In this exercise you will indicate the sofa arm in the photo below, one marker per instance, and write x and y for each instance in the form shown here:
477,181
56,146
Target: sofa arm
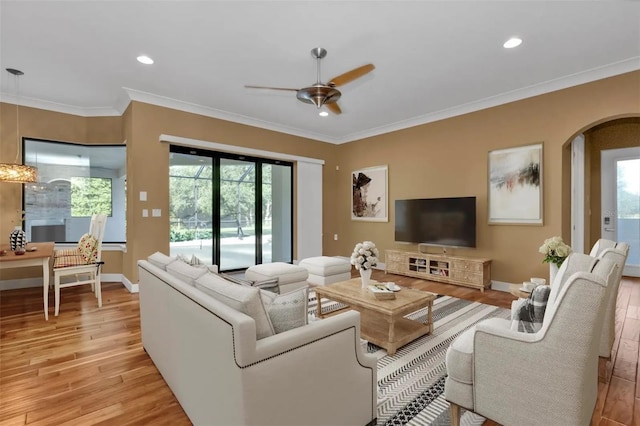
251,351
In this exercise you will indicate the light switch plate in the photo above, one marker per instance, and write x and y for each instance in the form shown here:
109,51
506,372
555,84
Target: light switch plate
145,212
156,213
143,195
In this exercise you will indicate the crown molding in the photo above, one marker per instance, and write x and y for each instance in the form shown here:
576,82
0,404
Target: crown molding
58,107
150,98
129,95
611,70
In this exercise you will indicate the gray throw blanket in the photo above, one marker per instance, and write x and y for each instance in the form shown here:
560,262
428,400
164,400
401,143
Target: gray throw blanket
531,313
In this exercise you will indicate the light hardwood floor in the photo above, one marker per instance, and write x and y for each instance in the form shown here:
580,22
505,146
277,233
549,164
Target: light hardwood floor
87,366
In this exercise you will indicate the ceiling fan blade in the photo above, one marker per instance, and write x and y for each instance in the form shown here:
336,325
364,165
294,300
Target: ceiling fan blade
271,88
334,108
352,75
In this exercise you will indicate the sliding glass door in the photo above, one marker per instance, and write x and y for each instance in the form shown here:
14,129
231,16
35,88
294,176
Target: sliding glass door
229,210
190,206
237,214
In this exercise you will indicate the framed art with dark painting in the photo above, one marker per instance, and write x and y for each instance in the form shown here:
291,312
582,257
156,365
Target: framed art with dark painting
369,194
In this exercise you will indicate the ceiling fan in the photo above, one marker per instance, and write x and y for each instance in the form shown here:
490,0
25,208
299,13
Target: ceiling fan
321,93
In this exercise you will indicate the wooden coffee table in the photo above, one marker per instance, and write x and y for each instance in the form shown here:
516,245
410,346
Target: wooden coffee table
382,321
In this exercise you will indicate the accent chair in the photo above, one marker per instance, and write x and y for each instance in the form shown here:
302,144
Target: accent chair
548,377
618,253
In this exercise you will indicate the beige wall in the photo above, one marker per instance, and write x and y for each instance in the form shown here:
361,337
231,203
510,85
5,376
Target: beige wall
622,133
449,158
445,158
148,165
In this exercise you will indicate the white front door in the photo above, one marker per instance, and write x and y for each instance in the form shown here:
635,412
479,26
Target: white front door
620,218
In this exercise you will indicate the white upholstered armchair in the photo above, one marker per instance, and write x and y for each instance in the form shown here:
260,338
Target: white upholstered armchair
618,253
548,377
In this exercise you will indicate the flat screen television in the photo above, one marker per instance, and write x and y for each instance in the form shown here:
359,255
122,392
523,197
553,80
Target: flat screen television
449,222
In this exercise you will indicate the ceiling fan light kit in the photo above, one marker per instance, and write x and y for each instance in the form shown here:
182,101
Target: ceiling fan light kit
320,93
15,172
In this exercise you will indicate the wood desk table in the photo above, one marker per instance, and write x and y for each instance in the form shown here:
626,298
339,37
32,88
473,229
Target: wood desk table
382,321
40,257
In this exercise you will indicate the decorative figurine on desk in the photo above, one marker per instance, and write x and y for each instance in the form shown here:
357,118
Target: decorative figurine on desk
18,240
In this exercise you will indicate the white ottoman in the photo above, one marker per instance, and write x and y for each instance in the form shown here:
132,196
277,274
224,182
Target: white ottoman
290,277
326,270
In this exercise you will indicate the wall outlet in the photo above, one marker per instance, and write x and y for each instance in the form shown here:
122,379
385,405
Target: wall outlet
335,237
145,212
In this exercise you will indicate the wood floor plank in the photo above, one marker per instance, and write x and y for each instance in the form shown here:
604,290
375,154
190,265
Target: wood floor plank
87,365
626,360
636,412
631,329
620,399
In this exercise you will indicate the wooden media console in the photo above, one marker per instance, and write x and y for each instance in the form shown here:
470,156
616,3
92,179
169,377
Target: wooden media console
464,271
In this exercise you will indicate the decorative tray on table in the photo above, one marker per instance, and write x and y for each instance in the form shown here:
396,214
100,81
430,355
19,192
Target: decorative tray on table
381,292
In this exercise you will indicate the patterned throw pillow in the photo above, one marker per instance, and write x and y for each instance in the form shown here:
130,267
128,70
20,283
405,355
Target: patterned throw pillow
530,314
286,311
88,248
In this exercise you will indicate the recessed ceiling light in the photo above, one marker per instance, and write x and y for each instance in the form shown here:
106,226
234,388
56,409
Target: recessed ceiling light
512,42
143,59
323,113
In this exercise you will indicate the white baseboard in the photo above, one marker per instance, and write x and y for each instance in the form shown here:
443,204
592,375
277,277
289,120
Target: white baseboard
37,282
20,283
500,285
133,288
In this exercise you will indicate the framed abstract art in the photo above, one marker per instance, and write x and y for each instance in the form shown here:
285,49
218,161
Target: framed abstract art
515,185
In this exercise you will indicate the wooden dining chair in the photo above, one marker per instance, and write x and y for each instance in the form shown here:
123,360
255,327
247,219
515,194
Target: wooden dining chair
81,265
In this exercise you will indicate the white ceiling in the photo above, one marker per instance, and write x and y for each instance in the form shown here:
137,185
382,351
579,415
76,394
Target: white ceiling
434,59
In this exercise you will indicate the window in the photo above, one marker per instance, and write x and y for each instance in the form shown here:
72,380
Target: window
90,196
74,182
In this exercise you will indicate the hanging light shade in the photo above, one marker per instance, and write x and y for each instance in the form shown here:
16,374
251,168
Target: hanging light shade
17,173
14,172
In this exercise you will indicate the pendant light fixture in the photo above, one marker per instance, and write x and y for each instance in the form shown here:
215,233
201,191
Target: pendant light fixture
15,172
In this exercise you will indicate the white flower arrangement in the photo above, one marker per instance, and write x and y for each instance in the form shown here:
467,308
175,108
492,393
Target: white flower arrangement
555,250
365,255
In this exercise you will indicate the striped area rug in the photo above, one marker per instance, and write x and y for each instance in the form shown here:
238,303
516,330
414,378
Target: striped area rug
411,382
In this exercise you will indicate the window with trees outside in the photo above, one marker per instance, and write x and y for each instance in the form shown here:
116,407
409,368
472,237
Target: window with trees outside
230,210
74,182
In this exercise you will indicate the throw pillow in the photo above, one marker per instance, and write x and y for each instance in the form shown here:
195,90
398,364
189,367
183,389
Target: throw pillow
530,314
185,272
88,248
243,299
195,261
270,284
287,311
160,260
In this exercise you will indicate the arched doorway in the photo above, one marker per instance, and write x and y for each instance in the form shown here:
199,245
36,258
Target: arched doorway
620,200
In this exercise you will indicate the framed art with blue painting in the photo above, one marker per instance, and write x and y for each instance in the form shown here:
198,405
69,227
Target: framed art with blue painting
515,185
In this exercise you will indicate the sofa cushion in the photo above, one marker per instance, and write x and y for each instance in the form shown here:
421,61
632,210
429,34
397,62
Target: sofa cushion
185,272
241,298
160,260
287,311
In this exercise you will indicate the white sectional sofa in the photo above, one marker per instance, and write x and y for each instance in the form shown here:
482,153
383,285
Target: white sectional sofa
222,374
